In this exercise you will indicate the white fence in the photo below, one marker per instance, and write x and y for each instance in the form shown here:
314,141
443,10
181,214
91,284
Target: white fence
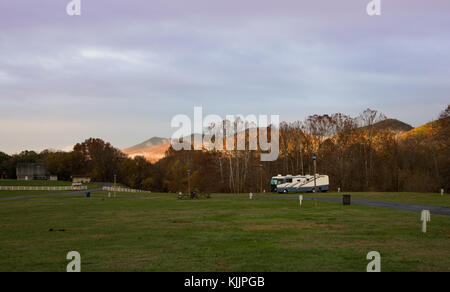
123,190
42,188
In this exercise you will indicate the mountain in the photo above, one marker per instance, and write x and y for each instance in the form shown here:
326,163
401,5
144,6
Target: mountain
431,133
153,149
422,131
155,141
393,125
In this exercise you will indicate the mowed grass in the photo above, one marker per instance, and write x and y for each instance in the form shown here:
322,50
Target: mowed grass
431,199
157,232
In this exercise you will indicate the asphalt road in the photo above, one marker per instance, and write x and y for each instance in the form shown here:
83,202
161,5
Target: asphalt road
392,205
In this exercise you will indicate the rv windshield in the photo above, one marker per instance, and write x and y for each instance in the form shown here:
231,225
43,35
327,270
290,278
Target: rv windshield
275,181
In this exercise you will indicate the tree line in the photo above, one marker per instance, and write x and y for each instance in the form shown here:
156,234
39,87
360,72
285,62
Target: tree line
364,153
94,158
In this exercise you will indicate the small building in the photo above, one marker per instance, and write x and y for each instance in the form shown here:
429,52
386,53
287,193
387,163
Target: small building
31,171
53,177
81,179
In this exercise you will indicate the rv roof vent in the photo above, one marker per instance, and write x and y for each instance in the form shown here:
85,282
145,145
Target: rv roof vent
279,175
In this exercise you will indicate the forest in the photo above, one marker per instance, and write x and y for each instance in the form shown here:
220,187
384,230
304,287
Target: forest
365,153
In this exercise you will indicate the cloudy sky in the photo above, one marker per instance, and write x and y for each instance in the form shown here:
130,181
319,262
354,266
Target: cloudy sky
123,69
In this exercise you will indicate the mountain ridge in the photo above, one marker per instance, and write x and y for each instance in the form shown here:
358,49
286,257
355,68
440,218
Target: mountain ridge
154,148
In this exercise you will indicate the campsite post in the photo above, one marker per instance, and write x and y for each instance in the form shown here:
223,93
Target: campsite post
425,217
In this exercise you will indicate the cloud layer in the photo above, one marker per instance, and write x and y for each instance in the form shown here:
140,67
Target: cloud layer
123,69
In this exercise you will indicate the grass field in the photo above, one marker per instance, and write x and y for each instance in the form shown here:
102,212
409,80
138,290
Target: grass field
432,199
157,232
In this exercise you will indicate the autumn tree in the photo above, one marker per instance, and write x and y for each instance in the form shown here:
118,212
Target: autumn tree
101,159
65,164
368,119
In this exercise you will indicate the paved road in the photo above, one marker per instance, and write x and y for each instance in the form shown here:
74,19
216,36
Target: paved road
393,205
51,195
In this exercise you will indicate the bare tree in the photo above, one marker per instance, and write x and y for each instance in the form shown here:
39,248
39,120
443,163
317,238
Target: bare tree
367,119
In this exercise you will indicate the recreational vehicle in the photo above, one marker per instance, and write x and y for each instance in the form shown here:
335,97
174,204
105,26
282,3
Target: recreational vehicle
278,180
299,183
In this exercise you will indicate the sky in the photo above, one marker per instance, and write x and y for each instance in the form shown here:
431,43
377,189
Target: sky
122,69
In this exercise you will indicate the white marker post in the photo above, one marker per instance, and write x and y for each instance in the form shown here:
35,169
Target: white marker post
442,192
339,190
250,196
425,217
300,199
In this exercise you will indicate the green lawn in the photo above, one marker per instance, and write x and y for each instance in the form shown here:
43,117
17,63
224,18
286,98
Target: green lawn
157,232
432,199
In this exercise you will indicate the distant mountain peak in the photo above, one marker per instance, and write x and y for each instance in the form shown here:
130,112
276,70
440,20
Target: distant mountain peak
152,149
394,125
154,141
155,148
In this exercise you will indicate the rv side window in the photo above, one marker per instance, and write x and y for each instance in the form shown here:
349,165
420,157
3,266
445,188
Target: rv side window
289,180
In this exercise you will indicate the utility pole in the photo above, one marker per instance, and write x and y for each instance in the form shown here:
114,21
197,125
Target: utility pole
315,185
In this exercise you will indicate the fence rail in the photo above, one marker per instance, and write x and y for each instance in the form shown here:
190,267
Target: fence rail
123,190
42,188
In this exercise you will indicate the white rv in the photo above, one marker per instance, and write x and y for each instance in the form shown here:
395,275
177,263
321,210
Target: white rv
299,183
